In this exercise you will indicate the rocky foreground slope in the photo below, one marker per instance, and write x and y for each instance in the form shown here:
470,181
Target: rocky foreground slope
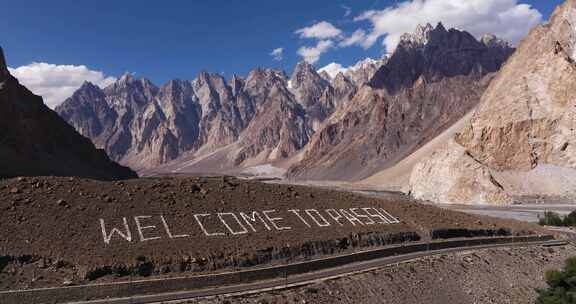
57,230
521,139
503,276
34,140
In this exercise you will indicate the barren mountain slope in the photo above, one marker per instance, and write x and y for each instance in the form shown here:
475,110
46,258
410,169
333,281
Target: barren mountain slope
34,140
285,114
208,124
89,230
523,133
431,81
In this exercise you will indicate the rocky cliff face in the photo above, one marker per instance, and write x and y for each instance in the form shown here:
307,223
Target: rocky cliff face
143,126
264,118
363,71
433,79
34,140
523,131
331,128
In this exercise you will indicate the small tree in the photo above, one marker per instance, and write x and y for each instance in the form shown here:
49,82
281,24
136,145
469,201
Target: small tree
562,285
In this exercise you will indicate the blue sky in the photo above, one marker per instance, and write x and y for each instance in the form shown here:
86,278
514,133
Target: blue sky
162,40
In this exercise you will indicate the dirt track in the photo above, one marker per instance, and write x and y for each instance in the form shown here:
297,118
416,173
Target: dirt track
52,227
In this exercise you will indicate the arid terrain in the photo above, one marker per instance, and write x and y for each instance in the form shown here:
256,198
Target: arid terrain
445,149
502,276
70,229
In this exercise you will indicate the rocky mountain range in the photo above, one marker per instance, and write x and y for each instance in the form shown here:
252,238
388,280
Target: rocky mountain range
266,116
306,126
35,141
433,79
521,139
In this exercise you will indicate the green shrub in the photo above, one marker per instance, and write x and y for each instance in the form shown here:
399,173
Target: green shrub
570,219
552,219
562,285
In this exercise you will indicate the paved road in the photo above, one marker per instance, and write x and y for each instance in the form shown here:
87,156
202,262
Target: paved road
299,280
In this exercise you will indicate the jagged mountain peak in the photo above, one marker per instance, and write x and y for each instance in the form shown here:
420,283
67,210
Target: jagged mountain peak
87,93
440,27
427,35
175,86
305,75
325,75
3,67
434,54
236,78
420,36
340,78
127,80
236,83
210,79
491,40
266,74
88,86
303,66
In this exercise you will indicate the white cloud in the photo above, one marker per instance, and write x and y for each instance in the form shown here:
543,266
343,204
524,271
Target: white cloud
356,38
55,83
506,19
277,54
347,10
312,54
333,69
320,30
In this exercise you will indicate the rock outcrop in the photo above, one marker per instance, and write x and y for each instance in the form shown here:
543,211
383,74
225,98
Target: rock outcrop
452,176
433,79
524,128
35,141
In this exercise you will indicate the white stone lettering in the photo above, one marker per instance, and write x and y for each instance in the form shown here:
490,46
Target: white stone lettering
350,217
388,216
318,219
376,215
335,216
252,218
221,217
141,228
197,217
362,216
274,220
243,223
127,235
169,232
297,212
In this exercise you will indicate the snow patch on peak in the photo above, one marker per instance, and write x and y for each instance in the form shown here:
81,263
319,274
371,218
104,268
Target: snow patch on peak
333,69
490,40
363,64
